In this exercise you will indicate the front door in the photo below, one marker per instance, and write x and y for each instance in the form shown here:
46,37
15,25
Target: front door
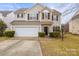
46,30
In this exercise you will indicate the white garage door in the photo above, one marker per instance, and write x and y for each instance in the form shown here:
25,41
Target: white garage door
30,32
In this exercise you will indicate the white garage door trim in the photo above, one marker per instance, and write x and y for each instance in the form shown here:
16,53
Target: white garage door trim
26,31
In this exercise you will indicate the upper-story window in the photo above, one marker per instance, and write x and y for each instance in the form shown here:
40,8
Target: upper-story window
52,17
42,15
45,15
33,16
20,15
17,15
55,17
37,16
48,15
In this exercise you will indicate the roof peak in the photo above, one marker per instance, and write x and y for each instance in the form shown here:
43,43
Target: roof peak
35,5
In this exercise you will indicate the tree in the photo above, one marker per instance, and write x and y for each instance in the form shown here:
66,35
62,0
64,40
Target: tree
3,26
62,32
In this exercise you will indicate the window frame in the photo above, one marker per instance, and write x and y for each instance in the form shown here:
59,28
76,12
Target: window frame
56,28
17,15
21,15
33,16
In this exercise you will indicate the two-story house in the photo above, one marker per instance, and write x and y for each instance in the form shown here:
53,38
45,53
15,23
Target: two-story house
30,21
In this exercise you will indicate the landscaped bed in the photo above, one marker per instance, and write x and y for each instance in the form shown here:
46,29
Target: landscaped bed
55,46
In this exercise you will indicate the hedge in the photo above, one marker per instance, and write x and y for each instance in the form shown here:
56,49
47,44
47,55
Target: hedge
1,33
41,34
9,33
54,34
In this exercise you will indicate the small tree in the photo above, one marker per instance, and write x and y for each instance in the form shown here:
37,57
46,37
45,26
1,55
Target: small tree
3,26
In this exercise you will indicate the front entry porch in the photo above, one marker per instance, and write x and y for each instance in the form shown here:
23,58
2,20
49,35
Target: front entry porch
46,27
46,30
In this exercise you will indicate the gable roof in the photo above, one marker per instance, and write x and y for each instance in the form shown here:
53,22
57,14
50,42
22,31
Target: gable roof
21,10
55,11
46,8
37,4
5,13
24,10
76,15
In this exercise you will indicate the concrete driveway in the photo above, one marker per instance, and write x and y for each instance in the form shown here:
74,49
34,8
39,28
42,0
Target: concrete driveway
20,48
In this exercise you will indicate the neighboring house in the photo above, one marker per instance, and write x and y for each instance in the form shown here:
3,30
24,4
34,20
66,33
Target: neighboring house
1,16
74,24
30,21
9,18
4,17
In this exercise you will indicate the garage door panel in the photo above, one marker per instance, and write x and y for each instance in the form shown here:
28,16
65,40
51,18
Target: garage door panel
27,31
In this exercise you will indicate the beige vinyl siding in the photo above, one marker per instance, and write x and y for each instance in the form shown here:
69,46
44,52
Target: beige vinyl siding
74,26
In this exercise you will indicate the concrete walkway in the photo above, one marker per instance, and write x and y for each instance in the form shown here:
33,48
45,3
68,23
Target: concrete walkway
20,48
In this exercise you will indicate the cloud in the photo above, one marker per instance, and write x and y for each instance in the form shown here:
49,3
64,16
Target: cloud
4,6
10,6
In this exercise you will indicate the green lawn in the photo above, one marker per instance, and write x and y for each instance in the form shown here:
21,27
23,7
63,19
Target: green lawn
68,47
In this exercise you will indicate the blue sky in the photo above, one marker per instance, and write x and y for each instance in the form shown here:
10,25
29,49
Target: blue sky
13,6
67,9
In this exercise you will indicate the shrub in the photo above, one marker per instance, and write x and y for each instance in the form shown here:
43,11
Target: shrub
1,33
56,28
41,34
9,33
3,26
54,34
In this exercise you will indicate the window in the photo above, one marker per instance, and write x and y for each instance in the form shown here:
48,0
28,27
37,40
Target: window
57,17
52,17
28,16
56,28
42,15
48,15
33,16
37,16
45,15
19,15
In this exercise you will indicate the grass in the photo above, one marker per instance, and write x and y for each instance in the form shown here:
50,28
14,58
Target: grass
3,38
57,47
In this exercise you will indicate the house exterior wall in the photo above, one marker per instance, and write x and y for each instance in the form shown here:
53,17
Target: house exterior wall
74,26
